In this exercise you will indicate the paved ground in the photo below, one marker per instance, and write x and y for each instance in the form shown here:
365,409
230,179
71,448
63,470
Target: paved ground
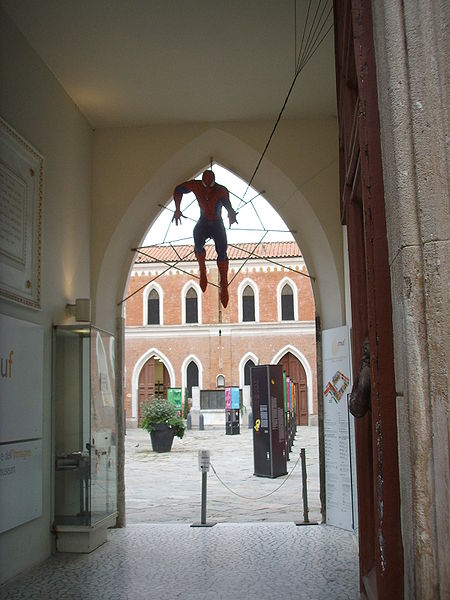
254,552
265,561
166,488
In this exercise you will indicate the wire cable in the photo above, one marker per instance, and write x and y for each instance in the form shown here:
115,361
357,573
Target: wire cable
252,497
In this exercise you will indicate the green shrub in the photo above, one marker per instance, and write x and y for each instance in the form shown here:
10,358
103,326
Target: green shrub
158,410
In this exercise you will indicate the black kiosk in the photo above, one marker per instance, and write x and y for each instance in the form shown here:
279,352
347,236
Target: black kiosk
269,431
232,411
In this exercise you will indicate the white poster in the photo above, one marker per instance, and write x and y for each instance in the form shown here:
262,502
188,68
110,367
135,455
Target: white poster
20,483
21,376
338,428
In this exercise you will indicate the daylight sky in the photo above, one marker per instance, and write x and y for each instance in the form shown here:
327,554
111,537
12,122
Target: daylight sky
257,215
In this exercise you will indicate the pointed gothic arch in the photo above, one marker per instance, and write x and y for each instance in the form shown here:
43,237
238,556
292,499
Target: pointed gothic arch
136,372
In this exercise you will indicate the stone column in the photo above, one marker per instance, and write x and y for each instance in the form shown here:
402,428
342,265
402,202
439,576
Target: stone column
412,55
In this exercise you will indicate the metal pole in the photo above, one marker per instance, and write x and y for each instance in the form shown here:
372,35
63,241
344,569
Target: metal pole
304,487
203,516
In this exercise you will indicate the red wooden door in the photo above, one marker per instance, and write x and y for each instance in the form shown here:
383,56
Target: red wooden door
362,210
294,369
146,385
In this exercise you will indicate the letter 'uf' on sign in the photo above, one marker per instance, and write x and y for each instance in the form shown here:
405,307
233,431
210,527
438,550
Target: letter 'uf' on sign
203,460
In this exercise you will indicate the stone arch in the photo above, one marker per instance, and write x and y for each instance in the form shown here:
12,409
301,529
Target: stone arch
136,371
115,264
304,361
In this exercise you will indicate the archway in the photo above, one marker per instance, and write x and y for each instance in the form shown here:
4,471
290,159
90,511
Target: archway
228,150
287,199
295,371
135,378
153,381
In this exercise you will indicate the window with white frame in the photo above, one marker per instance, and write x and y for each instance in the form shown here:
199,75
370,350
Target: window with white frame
192,377
153,305
191,306
287,300
153,308
248,365
248,304
287,303
248,301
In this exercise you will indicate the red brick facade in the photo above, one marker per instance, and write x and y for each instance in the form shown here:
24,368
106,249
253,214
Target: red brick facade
219,343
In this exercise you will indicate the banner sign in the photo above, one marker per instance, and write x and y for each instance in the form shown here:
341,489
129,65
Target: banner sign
174,396
338,428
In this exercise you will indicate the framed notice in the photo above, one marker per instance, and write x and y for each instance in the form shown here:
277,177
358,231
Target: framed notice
21,193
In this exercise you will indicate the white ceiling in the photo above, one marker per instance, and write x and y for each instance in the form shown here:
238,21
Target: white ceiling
135,62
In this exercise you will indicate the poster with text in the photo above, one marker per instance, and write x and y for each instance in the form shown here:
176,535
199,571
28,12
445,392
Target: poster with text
20,483
21,354
338,430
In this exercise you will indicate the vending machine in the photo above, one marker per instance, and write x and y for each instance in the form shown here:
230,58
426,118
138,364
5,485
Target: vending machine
269,431
232,411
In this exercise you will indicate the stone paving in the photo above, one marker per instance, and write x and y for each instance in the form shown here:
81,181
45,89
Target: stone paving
166,487
255,551
265,561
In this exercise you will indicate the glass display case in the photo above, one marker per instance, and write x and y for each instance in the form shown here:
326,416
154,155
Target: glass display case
85,432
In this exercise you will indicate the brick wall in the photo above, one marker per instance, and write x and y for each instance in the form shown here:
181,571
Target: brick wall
219,354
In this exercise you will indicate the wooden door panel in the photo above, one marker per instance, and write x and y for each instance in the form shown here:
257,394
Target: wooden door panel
362,211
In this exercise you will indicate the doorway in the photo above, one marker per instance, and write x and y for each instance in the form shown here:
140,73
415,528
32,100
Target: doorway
296,372
154,381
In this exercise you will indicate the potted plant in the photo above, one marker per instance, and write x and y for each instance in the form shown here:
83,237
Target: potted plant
160,419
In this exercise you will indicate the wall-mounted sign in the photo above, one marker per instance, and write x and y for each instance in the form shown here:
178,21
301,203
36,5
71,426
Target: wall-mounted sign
338,429
21,372
21,193
20,483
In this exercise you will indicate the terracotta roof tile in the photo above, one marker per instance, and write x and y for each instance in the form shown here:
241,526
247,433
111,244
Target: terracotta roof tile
152,254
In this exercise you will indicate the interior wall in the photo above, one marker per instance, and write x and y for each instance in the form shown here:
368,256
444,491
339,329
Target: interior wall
136,169
35,105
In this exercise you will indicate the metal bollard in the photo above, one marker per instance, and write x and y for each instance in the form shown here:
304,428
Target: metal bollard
189,421
250,419
201,422
306,520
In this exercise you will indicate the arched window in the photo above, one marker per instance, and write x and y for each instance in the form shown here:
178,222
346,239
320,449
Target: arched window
287,303
191,301
153,308
191,377
248,365
220,381
248,304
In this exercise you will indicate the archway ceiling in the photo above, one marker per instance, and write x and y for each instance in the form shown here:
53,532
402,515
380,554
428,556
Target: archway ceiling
164,61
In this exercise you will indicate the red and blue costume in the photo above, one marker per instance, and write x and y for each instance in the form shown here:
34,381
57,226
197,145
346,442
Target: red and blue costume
211,197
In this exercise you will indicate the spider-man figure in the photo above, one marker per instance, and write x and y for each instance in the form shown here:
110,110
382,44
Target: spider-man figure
211,197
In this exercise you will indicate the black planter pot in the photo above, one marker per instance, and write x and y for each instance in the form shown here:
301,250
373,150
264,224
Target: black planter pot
162,437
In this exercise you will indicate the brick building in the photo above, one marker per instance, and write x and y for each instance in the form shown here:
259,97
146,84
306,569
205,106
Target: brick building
177,336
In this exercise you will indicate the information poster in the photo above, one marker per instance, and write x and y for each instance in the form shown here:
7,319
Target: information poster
174,397
338,428
235,398
20,483
21,355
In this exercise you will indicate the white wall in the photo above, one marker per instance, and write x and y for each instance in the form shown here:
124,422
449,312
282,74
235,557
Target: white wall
36,106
